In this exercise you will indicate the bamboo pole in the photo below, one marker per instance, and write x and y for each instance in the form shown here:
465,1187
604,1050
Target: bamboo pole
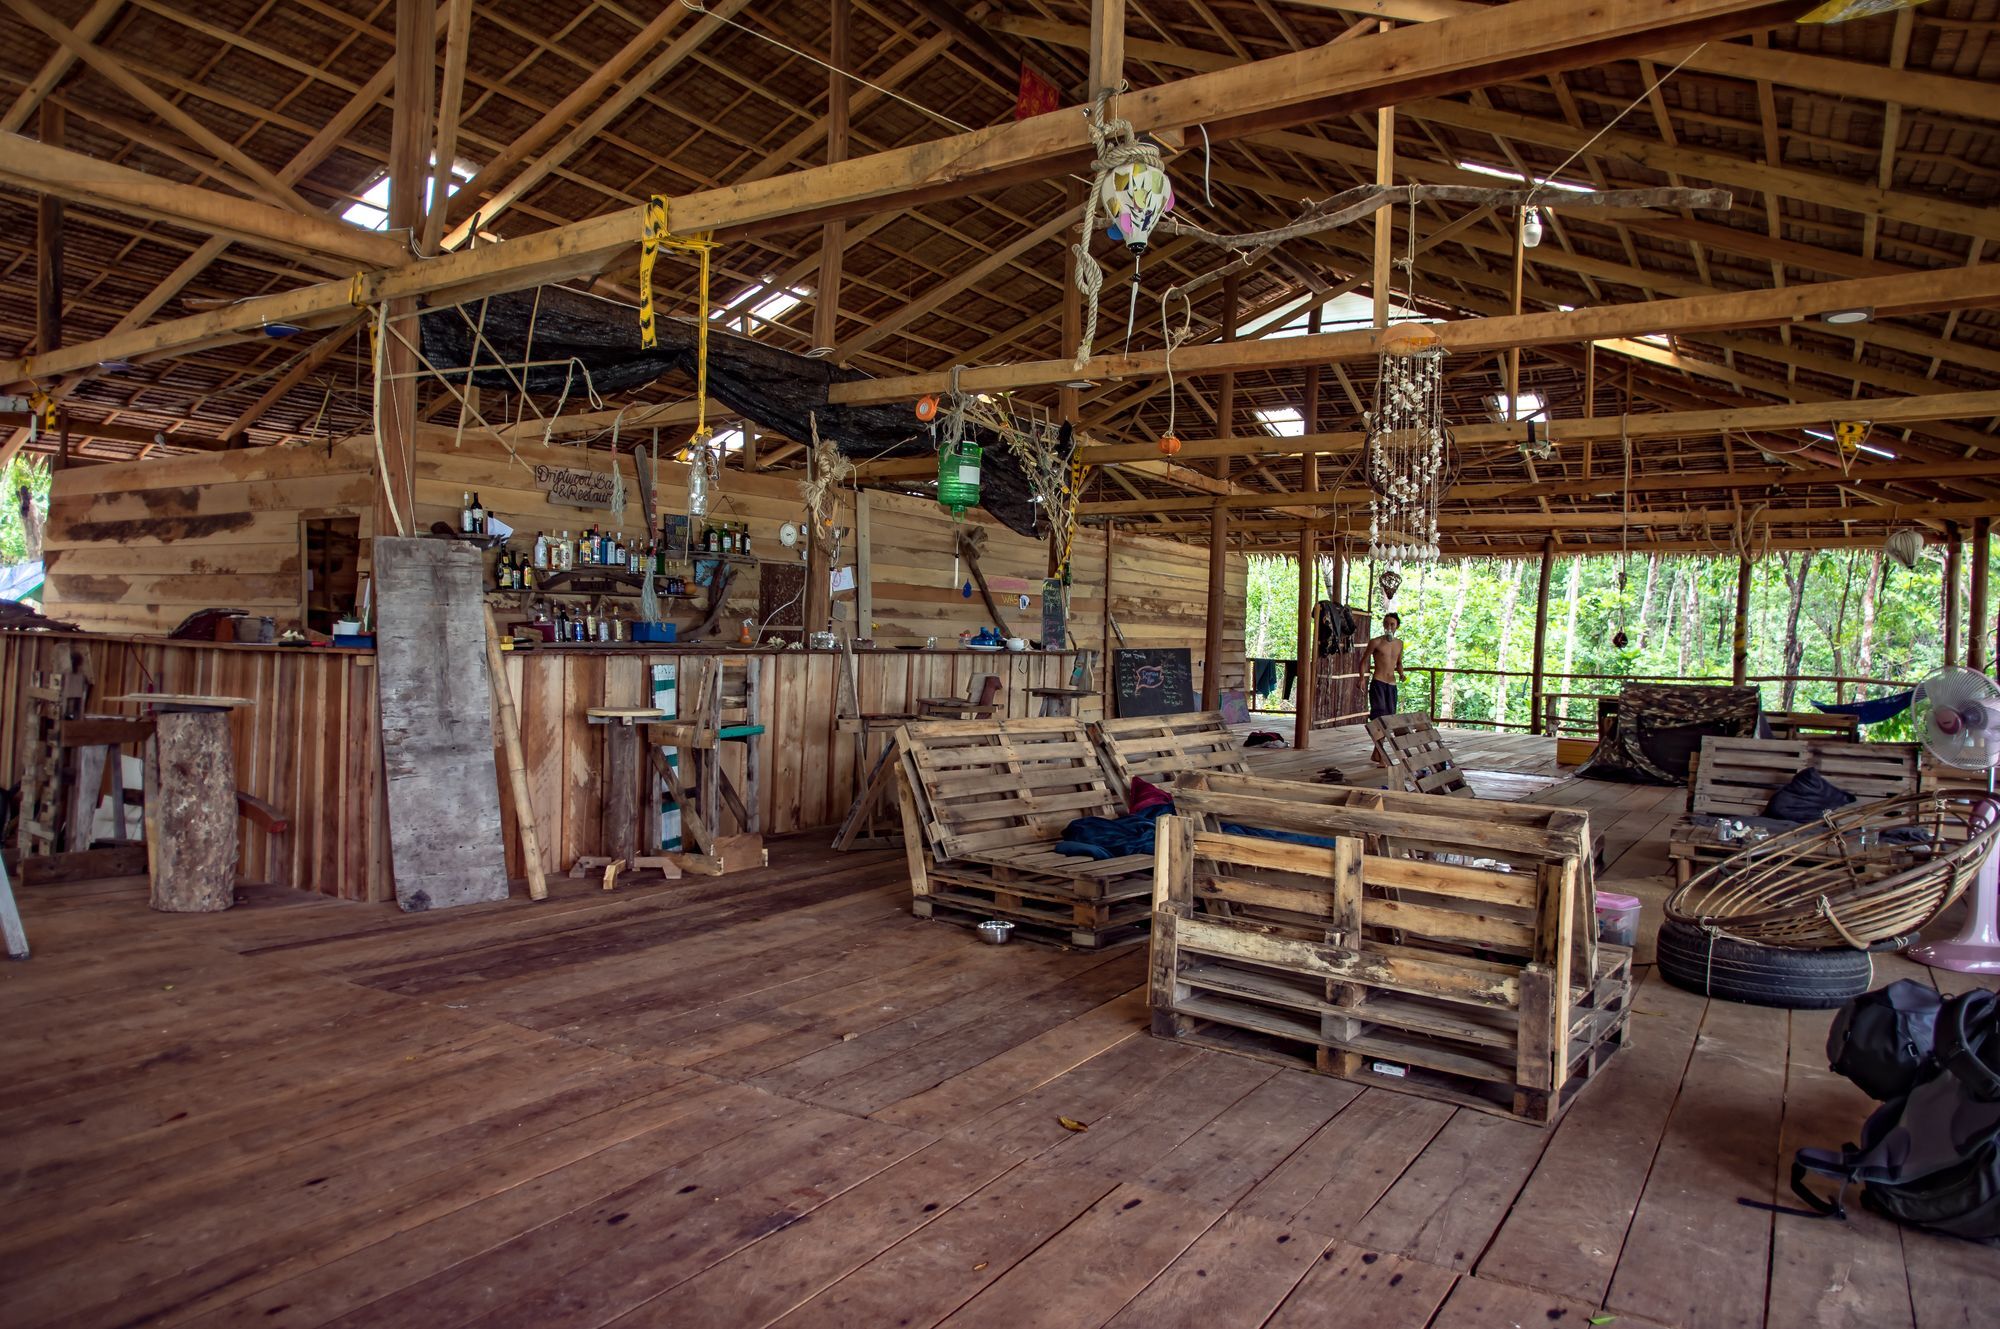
1739,649
517,766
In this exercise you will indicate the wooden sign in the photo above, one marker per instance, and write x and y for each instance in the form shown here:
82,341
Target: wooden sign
575,489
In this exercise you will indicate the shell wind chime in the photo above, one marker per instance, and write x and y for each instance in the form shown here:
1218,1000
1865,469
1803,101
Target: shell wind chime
1407,446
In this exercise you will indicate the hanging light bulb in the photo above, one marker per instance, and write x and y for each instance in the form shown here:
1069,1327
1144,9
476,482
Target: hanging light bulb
1531,227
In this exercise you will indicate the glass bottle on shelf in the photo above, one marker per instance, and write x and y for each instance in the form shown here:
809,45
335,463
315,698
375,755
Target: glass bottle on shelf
465,513
541,550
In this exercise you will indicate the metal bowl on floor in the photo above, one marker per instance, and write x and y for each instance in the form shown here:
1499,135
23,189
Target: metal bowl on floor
995,932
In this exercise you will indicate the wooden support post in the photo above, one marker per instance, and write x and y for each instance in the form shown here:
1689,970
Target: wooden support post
1538,682
1303,690
1381,277
1954,560
1225,392
1218,586
191,813
410,142
1739,649
1105,673
818,607
1979,643
49,246
1107,45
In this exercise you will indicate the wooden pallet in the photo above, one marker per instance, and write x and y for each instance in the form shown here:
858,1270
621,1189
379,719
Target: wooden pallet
1735,778
1393,954
983,804
1160,749
1417,754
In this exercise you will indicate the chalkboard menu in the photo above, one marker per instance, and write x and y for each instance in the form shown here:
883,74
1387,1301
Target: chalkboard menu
1155,682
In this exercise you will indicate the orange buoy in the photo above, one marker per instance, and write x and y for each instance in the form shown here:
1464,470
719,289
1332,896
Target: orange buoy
1170,444
927,408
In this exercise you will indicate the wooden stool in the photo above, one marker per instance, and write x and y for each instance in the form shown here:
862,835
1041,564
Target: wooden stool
873,821
619,790
726,702
190,802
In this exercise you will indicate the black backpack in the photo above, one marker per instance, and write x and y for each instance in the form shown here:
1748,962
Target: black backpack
1882,1040
1929,1157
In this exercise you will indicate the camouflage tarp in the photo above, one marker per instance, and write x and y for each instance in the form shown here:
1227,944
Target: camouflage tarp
1659,727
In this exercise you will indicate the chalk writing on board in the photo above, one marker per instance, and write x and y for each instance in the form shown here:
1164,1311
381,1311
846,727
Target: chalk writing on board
1154,682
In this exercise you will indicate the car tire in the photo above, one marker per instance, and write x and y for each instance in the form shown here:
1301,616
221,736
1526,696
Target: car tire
1720,966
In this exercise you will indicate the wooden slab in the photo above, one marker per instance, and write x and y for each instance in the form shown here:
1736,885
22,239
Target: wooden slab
437,726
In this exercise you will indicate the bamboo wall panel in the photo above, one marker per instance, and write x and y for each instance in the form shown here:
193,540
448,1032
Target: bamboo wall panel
309,743
138,546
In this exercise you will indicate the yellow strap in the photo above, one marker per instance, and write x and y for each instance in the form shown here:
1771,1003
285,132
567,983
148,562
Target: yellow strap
658,233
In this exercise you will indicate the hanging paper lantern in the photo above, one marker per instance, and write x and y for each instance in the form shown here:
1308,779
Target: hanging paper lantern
1170,444
1136,197
1905,547
958,476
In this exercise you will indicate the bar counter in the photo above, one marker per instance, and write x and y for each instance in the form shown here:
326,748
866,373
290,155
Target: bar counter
310,742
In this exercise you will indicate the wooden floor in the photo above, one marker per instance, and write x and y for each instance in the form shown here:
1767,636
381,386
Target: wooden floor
778,1099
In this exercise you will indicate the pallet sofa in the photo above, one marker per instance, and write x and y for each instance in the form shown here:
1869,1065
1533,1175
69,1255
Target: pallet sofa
1420,950
983,804
1734,779
1162,749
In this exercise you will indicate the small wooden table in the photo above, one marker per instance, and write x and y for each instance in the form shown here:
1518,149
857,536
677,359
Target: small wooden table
620,785
1060,701
190,801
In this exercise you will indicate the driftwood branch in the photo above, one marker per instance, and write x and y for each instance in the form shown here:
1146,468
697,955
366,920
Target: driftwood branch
970,542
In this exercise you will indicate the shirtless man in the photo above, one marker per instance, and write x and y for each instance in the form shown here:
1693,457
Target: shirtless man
1385,667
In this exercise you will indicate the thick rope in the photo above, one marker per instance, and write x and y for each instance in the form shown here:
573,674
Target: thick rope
1117,146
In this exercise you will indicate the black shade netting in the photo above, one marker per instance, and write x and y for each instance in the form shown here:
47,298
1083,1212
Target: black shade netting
566,337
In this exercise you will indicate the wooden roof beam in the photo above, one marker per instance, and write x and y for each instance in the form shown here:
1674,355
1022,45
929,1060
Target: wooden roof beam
1531,36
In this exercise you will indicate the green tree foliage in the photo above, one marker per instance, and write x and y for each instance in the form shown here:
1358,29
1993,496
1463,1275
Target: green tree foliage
1686,631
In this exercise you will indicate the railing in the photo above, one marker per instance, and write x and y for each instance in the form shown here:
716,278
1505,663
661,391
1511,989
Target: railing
1423,687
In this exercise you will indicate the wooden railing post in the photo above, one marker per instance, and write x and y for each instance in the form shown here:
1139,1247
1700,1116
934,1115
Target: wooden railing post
1303,697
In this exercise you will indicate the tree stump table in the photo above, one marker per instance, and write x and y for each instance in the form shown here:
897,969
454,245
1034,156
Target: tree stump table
190,802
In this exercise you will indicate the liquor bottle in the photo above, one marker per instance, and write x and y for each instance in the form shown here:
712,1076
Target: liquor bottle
590,623
618,555
478,515
465,515
659,558
500,572
744,537
541,550
565,552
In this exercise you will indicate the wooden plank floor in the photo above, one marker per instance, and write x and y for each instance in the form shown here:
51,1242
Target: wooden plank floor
777,1099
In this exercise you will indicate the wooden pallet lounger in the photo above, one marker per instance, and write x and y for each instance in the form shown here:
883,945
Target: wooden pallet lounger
1417,755
1424,951
983,803
1735,778
1161,749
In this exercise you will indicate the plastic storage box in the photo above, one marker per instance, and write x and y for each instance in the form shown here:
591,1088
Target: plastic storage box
1617,919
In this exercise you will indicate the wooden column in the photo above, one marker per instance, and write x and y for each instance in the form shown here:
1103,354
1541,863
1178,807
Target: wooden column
1107,45
1303,697
191,813
818,608
1385,216
1978,644
1218,522
1954,559
1739,647
410,143
49,246
1538,680
1218,568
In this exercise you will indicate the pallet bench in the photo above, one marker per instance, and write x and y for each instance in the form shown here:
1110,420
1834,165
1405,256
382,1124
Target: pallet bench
1417,756
1161,749
1734,778
983,804
1441,955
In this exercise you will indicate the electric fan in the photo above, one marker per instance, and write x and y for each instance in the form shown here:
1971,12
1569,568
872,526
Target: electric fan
1957,717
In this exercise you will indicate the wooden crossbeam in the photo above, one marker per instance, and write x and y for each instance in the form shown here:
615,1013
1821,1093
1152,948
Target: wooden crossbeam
1531,36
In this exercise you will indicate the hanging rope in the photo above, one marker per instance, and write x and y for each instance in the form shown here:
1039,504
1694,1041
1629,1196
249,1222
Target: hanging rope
658,234
1118,146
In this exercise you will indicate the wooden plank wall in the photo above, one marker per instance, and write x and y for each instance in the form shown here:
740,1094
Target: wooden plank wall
810,766
309,743
138,546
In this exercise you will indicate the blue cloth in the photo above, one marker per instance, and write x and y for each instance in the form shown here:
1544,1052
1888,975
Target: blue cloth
1872,711
1263,677
1133,833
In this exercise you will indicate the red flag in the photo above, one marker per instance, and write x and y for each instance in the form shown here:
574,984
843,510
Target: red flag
1037,96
